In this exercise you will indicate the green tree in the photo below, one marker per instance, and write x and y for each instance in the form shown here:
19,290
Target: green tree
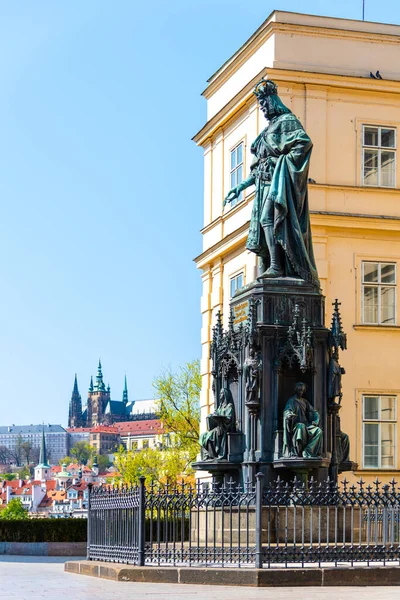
66,460
8,476
14,511
82,452
16,452
26,449
24,472
103,462
178,404
170,465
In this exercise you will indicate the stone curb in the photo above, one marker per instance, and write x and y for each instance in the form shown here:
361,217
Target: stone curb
43,548
274,577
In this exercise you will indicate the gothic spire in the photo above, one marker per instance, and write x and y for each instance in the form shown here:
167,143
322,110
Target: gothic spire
75,391
91,384
75,407
43,455
99,387
338,336
125,393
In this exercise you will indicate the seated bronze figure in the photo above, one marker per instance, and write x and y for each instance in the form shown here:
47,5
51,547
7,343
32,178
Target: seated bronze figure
214,441
302,437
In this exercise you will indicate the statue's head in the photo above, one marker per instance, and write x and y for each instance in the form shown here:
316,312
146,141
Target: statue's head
300,388
271,105
225,396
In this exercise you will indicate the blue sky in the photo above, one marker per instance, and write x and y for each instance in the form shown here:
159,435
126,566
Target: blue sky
101,186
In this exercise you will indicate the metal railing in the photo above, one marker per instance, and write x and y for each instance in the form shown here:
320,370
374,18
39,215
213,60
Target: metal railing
283,524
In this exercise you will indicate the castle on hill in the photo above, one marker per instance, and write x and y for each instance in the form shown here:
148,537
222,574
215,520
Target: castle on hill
100,409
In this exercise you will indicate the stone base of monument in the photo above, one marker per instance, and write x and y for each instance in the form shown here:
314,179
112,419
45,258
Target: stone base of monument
280,525
303,468
222,470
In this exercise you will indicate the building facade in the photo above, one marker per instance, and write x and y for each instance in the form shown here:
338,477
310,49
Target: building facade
341,78
12,436
140,434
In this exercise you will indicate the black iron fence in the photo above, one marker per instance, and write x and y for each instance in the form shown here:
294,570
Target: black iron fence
279,525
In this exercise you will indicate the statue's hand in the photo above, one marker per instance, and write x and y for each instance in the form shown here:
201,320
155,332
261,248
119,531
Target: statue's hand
233,194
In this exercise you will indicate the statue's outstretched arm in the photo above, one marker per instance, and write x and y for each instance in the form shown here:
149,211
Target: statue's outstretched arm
234,193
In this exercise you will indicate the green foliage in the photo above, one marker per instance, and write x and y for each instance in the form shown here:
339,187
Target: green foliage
43,530
103,462
24,473
14,511
82,452
170,465
66,460
8,476
178,402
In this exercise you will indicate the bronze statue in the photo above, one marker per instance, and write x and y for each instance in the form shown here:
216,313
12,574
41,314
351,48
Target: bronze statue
252,369
279,230
335,378
343,443
302,436
219,424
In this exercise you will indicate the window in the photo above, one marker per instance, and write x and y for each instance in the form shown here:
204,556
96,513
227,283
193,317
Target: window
236,283
379,156
237,170
378,293
145,444
379,431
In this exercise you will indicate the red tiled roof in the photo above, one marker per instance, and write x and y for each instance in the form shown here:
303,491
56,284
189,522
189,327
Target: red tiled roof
24,490
15,483
82,485
96,429
152,426
56,469
78,429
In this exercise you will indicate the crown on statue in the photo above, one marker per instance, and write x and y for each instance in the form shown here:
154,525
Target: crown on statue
265,88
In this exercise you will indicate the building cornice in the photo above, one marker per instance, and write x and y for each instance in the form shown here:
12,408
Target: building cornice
294,77
321,218
278,22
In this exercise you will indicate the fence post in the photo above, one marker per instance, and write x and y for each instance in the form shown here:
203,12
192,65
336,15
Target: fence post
259,490
90,485
142,517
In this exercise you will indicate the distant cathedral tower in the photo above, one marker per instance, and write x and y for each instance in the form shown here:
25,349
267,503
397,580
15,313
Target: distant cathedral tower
75,407
98,397
125,393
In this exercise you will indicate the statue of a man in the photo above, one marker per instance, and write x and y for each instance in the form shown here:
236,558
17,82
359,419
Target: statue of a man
335,378
252,369
280,223
301,434
219,424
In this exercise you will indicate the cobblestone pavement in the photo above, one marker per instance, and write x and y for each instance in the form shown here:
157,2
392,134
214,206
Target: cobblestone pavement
42,578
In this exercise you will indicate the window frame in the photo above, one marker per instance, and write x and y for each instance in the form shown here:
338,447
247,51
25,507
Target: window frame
234,170
378,285
234,278
379,421
379,148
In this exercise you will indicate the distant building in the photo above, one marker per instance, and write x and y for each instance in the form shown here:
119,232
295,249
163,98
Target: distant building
56,437
105,438
136,435
100,409
43,469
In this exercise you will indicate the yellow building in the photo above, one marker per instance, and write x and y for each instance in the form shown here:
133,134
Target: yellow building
322,67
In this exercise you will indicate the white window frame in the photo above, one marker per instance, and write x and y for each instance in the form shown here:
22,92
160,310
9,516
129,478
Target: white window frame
379,147
235,278
234,170
378,285
379,421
